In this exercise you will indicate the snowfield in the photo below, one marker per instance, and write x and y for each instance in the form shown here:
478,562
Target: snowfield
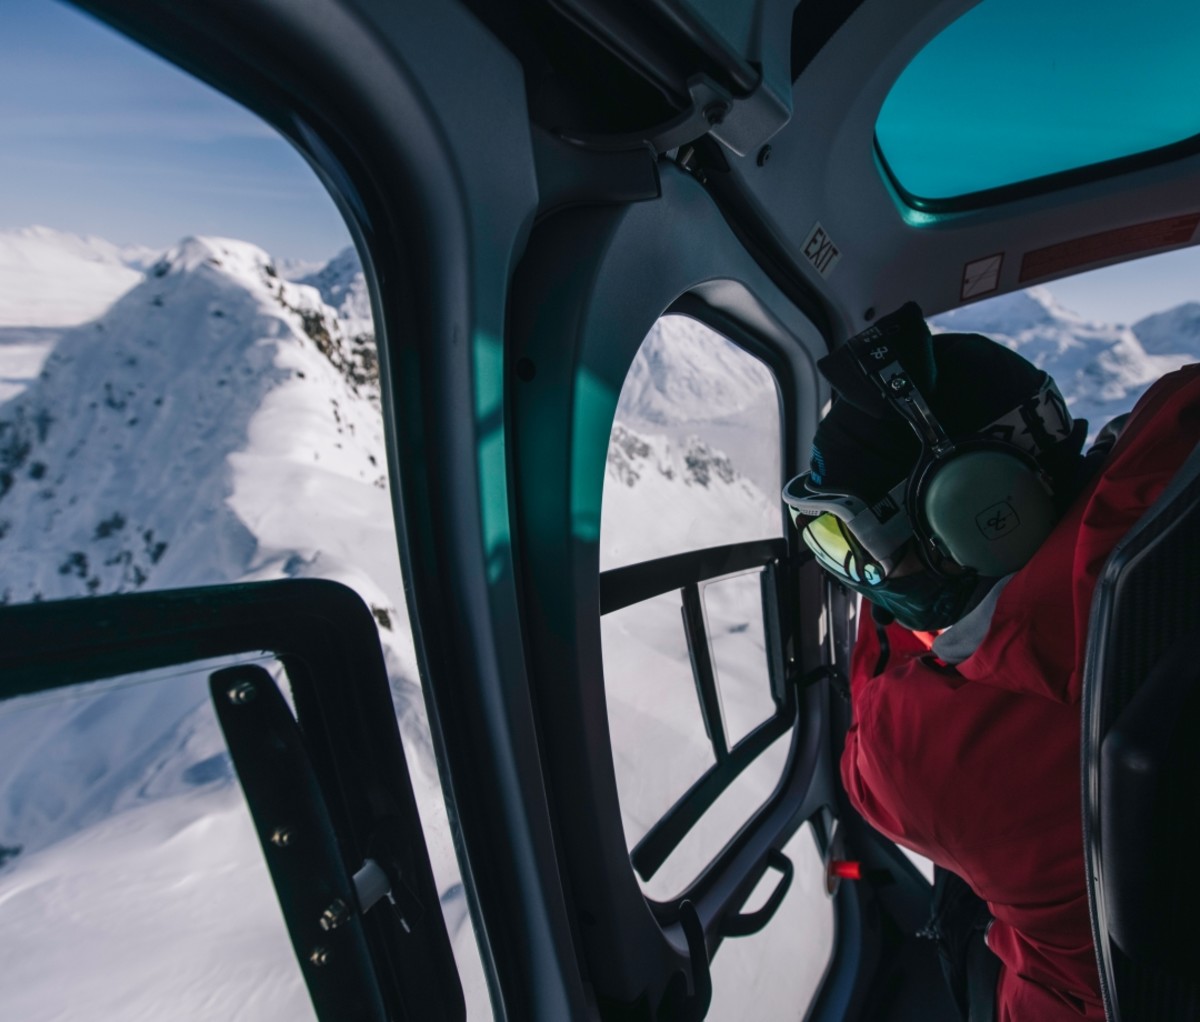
198,417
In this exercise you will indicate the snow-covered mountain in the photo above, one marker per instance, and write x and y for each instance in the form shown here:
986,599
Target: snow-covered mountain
1171,331
213,423
686,376
228,430
343,287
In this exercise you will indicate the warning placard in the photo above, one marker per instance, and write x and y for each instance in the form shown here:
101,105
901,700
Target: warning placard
982,276
1095,248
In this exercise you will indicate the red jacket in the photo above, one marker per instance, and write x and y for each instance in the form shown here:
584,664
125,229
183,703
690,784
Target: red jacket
977,766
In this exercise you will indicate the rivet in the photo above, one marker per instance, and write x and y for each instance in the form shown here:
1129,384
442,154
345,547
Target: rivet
764,154
243,692
715,112
319,956
335,915
281,837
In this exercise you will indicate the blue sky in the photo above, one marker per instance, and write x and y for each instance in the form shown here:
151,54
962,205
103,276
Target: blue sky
101,137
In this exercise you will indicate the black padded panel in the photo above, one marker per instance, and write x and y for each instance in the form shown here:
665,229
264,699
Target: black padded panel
1140,776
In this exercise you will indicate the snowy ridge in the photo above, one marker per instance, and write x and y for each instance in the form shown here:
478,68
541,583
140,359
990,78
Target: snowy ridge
216,388
343,287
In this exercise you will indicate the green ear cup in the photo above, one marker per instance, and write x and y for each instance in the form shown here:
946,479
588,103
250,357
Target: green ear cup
989,509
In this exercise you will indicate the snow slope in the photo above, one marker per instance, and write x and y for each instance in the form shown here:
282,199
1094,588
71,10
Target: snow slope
36,263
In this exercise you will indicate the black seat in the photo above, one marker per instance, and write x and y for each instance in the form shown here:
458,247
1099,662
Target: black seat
1141,762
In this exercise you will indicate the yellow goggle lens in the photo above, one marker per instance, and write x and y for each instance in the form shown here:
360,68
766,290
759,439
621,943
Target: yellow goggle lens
826,537
837,551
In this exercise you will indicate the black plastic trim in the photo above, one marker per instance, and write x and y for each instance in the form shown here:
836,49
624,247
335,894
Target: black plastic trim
650,35
987,198
625,586
664,837
746,923
814,23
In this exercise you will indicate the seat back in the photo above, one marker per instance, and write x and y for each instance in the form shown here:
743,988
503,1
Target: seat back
1141,762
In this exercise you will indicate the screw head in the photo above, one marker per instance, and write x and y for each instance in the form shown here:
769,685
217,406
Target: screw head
319,956
243,692
764,154
282,836
715,112
335,915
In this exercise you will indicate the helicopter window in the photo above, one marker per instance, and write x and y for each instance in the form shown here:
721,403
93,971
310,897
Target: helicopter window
189,395
640,642
702,727
1015,90
696,436
737,636
699,729
130,870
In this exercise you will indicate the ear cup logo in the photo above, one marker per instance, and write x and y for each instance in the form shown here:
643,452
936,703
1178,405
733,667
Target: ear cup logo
997,520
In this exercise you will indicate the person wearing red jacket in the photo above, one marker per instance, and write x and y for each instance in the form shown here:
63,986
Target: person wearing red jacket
948,487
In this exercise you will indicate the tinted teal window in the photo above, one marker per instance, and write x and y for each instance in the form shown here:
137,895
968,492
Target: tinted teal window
1017,89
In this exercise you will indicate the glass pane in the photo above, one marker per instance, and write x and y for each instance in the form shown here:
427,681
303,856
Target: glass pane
733,611
133,884
1015,89
659,744
778,969
715,828
694,457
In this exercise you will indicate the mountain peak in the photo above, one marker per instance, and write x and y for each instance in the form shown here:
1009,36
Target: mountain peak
1176,329
235,258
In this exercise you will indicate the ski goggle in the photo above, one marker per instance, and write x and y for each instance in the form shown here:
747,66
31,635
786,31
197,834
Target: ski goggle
862,544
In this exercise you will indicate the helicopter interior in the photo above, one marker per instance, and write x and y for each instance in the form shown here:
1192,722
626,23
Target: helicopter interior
532,185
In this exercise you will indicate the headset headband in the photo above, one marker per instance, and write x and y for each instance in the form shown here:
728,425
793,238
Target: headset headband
873,351
1034,426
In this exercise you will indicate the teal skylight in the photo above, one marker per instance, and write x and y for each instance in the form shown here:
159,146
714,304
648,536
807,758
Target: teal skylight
1018,89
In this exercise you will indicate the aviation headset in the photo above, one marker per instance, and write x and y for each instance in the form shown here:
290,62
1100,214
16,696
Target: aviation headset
982,502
